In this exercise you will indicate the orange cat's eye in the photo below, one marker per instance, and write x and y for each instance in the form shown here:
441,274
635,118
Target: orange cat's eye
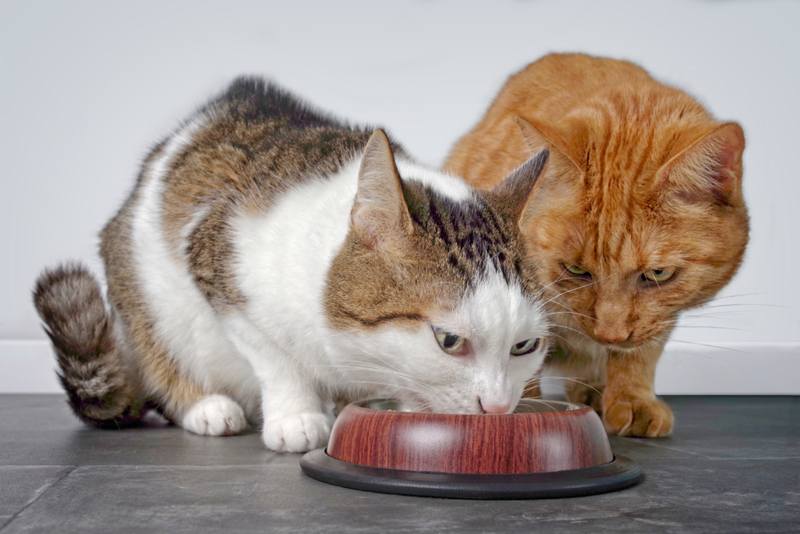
659,276
577,271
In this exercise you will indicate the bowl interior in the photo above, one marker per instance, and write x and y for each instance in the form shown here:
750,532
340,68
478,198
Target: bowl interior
525,406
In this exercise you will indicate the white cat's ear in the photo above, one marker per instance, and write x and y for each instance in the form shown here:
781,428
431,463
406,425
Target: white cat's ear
709,170
514,193
380,215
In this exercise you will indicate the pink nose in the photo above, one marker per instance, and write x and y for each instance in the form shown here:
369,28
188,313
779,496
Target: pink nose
611,336
493,407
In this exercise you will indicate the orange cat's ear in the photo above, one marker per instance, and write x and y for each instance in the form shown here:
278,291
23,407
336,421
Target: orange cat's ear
709,170
514,193
380,215
560,183
539,138
535,140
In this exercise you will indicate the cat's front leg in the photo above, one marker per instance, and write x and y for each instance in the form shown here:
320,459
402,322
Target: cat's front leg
293,414
630,406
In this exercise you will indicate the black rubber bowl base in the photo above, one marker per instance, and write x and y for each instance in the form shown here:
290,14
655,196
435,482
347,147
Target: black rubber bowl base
615,475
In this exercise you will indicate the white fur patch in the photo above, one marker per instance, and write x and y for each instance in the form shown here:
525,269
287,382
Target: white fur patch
283,257
445,184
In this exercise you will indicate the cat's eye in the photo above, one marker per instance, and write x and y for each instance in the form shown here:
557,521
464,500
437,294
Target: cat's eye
658,276
525,347
450,343
577,271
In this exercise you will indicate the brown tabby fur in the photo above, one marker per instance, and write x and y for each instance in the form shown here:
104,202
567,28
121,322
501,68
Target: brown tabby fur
641,177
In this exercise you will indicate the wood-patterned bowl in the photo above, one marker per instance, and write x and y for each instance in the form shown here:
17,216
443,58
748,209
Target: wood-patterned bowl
541,436
544,449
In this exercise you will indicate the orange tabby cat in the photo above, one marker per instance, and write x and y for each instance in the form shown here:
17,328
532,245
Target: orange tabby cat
640,215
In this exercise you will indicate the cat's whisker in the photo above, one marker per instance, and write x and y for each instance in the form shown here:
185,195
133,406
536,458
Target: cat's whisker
362,366
716,327
573,314
571,379
542,401
716,314
551,284
727,297
365,366
711,345
583,286
389,386
571,329
745,306
558,336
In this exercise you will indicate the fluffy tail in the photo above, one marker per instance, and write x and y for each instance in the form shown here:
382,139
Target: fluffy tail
69,301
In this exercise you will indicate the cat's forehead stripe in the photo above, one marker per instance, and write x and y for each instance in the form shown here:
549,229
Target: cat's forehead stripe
472,234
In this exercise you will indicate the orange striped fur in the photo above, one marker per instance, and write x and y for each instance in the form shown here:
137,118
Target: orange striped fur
642,180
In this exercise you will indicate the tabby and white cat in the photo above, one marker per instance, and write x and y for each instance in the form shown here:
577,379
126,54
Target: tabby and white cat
272,260
639,216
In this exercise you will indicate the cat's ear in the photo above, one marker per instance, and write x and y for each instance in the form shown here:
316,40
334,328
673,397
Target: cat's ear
709,170
380,215
538,138
514,193
560,181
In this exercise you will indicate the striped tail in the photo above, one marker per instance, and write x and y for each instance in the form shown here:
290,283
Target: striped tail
69,301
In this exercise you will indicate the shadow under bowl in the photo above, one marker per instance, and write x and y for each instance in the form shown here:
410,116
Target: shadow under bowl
544,449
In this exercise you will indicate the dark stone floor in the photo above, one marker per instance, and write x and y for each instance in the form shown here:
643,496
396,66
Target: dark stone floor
732,465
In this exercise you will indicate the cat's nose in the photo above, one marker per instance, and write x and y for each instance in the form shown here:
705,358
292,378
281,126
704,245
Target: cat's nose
613,338
493,407
611,332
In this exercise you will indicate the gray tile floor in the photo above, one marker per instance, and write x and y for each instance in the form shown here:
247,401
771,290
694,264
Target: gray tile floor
732,465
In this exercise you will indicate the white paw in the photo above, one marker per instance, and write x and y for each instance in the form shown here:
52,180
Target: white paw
297,432
216,415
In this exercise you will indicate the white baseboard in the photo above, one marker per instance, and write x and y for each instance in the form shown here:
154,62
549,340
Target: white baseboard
765,368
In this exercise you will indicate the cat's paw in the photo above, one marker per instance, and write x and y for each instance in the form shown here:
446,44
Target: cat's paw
215,415
297,432
645,418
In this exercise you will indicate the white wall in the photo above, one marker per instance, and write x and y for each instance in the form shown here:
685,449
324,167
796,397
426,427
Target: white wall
87,87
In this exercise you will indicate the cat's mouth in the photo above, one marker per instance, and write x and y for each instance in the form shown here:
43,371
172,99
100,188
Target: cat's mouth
628,344
631,343
620,347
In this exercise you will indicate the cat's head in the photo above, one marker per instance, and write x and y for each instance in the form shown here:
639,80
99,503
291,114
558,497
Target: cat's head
432,298
639,216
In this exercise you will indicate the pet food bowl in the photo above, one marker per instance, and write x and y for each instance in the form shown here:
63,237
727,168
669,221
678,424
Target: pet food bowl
544,449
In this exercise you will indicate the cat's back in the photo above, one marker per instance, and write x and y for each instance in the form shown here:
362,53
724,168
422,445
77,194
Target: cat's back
253,142
241,152
558,83
569,98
